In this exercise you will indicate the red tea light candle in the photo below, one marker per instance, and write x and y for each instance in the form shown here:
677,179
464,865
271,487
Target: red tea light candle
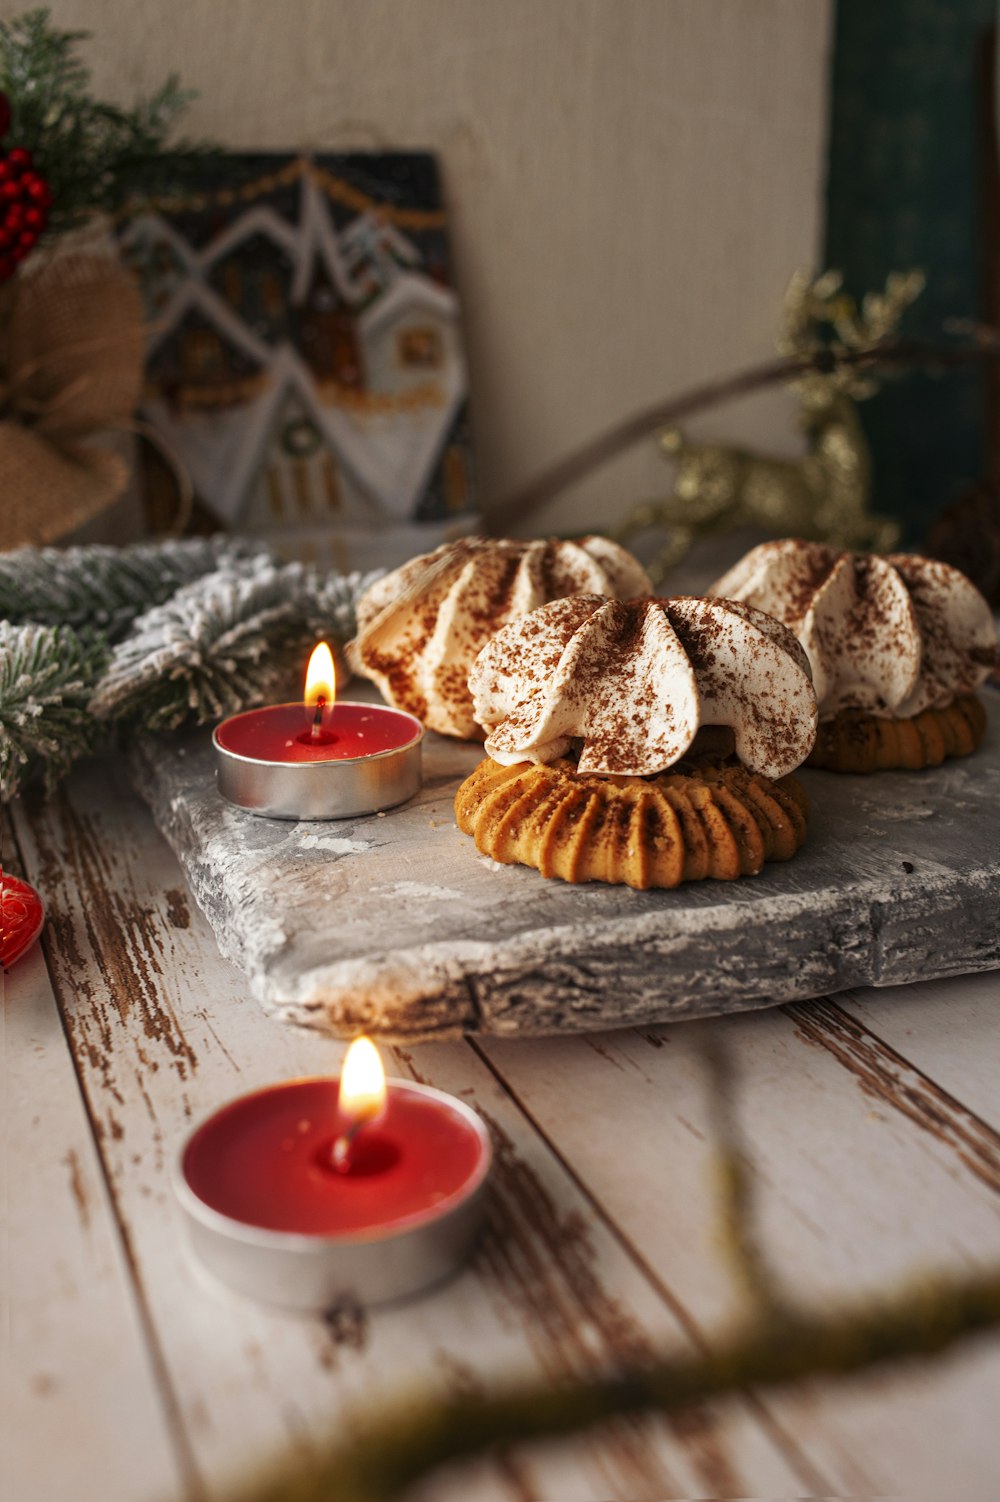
319,759
318,1189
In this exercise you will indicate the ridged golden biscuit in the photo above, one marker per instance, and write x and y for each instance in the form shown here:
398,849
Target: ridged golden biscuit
855,741
717,820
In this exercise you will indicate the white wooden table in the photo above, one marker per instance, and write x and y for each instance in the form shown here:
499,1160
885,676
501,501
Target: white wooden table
873,1119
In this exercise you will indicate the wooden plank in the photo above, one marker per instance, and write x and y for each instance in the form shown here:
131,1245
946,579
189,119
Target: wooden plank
948,1030
899,881
80,1396
163,1031
854,1195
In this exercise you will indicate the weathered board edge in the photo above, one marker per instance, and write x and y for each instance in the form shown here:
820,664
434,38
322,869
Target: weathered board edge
575,979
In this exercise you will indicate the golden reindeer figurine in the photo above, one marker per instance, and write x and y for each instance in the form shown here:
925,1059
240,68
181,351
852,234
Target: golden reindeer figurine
824,495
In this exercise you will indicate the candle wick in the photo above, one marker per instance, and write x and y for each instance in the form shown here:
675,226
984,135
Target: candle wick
343,1148
316,733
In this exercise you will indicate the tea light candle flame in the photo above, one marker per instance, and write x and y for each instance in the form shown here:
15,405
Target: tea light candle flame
362,1097
321,686
317,759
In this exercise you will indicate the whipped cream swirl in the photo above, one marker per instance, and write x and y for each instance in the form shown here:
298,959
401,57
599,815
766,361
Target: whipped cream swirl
632,682
420,627
892,635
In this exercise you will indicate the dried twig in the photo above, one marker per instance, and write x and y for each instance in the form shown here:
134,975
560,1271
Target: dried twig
737,1189
985,344
413,1439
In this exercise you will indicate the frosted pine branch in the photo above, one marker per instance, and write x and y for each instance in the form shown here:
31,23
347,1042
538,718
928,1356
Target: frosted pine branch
334,599
228,628
106,588
230,640
47,675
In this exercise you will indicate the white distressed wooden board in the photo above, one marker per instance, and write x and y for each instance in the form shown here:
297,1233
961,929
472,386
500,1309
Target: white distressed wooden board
76,1374
871,1164
161,1032
869,1174
394,924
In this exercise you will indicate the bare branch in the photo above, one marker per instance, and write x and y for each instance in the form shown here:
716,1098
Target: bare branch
614,440
736,1185
414,1438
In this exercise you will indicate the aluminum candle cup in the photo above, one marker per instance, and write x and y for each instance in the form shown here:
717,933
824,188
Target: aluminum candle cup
365,758
268,1214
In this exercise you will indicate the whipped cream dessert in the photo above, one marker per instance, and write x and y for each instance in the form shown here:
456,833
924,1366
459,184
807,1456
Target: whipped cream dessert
421,626
632,682
893,635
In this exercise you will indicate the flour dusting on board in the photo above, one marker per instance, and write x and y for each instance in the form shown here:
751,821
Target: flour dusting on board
419,889
337,845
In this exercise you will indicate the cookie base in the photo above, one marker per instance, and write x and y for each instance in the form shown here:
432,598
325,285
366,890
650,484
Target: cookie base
716,820
855,741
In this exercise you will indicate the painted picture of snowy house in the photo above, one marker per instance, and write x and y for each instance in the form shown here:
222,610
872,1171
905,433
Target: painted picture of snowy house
305,358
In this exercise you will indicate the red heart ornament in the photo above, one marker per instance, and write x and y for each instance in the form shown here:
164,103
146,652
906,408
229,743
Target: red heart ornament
21,917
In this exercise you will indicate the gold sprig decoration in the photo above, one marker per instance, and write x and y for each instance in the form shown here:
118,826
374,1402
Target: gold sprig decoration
824,495
819,318
968,343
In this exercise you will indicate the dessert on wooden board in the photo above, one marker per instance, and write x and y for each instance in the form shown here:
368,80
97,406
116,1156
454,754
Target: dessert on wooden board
421,626
898,646
646,742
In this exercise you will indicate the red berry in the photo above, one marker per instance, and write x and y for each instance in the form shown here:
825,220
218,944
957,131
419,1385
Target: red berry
34,218
4,169
27,238
10,190
39,190
19,158
14,218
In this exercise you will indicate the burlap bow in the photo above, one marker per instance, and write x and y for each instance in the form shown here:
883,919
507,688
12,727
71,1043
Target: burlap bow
72,356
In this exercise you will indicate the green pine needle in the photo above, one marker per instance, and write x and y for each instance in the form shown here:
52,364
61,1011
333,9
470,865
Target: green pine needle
228,641
47,675
95,155
80,645
106,588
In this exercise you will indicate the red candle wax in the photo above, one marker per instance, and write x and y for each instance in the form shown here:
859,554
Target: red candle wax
265,1160
281,732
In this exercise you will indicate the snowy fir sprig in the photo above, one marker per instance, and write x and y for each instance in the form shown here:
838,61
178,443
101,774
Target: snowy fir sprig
332,601
151,637
235,638
106,588
47,676
224,642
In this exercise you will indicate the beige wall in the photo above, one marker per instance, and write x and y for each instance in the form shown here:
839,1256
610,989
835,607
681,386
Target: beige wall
630,181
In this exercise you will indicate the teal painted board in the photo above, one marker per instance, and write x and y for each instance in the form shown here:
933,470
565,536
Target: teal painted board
904,190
